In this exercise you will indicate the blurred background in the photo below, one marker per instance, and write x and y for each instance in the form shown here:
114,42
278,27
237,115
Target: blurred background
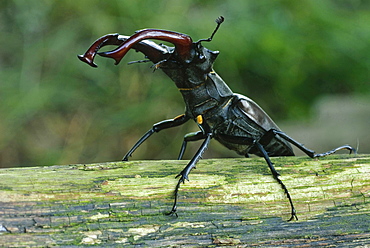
307,63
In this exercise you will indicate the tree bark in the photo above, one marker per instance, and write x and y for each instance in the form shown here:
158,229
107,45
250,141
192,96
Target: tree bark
229,202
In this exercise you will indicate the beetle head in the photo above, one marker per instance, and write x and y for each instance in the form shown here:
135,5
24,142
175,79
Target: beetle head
203,57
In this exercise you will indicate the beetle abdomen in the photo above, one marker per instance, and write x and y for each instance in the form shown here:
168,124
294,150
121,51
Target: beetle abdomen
246,124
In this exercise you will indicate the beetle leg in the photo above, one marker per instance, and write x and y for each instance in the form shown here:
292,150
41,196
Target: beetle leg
190,137
257,145
276,175
347,147
185,172
177,121
309,152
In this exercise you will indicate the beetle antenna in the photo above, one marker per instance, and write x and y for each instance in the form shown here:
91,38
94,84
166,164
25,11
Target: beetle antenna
219,20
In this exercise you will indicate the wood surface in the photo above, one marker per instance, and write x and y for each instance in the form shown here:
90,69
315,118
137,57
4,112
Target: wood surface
227,202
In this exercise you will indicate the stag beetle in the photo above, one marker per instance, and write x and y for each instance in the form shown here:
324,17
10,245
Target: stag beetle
234,120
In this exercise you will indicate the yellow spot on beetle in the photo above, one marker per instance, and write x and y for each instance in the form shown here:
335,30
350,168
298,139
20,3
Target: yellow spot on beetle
199,119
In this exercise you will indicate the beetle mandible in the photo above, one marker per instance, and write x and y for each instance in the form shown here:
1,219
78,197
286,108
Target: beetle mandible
234,120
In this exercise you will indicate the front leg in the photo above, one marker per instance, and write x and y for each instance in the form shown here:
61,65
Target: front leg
177,121
184,174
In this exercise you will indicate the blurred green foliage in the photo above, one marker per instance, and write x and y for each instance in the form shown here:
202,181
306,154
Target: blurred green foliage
56,110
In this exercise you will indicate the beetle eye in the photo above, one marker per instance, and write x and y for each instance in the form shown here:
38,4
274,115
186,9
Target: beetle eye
201,57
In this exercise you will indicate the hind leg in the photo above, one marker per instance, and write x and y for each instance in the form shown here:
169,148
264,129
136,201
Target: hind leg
309,152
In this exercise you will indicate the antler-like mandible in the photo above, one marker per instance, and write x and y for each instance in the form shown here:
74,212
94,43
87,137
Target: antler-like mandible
109,39
182,42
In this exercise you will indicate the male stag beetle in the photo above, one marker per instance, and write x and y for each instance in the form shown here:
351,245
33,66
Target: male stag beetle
234,120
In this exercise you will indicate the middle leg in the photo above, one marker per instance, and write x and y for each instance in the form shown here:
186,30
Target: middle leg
190,137
185,172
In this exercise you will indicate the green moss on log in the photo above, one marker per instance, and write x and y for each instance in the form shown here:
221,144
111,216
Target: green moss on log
226,202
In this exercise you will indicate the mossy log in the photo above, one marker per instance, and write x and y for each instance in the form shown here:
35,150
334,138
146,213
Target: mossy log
227,202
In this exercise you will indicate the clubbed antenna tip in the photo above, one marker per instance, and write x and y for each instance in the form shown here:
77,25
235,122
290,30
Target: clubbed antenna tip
219,20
